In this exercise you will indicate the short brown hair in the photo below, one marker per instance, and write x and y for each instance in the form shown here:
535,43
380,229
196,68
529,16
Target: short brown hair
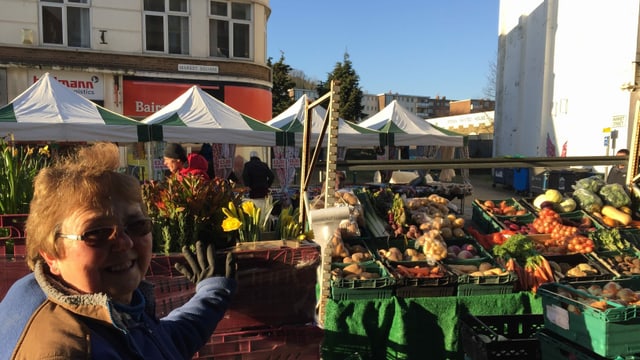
87,180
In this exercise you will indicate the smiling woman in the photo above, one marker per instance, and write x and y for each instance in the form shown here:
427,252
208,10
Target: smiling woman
89,245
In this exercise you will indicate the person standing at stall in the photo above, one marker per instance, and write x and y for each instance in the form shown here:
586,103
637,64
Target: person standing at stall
618,173
257,176
178,162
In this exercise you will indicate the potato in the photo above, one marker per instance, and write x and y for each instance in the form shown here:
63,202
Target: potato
352,269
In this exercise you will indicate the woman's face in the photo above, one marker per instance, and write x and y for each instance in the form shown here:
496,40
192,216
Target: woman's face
174,165
104,261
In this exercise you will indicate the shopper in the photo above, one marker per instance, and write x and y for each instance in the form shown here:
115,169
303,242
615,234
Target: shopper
178,162
257,176
618,173
89,247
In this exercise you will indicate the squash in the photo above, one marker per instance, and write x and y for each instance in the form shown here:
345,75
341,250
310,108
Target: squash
553,195
537,202
620,216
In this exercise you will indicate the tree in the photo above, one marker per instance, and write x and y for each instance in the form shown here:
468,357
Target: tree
490,88
282,82
350,92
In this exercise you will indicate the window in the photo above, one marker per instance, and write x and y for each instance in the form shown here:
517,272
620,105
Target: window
230,29
65,22
166,26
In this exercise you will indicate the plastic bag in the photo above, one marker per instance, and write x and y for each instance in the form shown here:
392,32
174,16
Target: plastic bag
614,195
592,183
588,200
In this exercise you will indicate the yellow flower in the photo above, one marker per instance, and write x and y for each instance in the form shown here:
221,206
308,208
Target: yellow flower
248,208
231,224
44,151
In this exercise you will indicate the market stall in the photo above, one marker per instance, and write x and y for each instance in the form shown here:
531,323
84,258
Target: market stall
49,111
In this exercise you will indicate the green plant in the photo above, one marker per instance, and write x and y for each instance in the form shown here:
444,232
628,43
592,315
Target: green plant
18,167
187,209
249,220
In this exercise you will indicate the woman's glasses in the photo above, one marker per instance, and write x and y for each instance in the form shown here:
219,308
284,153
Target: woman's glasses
101,236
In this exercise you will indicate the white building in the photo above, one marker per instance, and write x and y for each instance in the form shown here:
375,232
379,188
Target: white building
566,75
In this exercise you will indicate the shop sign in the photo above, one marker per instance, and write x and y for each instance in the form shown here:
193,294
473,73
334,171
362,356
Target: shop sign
198,68
88,85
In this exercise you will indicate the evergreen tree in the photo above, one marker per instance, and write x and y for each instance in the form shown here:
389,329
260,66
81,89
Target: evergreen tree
282,82
350,92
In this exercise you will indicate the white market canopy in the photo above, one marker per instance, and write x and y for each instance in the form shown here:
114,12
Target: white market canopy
196,116
405,128
292,121
49,111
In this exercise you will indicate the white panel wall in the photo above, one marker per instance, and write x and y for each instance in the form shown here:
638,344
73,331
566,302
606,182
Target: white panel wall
560,68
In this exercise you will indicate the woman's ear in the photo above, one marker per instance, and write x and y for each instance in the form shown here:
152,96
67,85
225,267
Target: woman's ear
52,262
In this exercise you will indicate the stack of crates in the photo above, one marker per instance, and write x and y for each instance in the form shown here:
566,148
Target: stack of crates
542,179
574,329
273,311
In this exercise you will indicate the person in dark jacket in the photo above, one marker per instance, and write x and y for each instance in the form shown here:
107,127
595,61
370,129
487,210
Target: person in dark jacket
618,173
257,176
89,248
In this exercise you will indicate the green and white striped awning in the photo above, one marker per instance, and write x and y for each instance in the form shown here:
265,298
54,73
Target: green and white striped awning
49,111
196,116
400,127
349,135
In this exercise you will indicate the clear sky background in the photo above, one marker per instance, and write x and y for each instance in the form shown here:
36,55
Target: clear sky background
412,47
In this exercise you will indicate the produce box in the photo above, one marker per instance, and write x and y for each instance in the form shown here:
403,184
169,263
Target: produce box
631,234
357,288
485,221
442,282
557,348
498,281
501,337
455,247
619,263
573,262
609,333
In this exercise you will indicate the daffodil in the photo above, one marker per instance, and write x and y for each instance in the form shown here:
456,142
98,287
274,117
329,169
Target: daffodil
231,224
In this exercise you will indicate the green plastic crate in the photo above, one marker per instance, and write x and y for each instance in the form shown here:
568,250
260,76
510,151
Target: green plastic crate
424,287
486,222
555,348
359,289
483,255
609,333
632,235
578,258
607,259
501,337
486,285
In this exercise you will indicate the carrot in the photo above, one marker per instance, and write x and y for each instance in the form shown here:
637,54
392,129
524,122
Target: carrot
540,275
547,268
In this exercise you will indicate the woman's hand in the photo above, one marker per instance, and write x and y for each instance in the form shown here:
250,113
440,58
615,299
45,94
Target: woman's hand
201,265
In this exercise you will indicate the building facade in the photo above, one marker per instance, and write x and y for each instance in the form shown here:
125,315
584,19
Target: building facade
135,56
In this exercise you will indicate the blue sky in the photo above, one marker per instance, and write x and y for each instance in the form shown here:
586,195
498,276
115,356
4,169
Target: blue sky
413,47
